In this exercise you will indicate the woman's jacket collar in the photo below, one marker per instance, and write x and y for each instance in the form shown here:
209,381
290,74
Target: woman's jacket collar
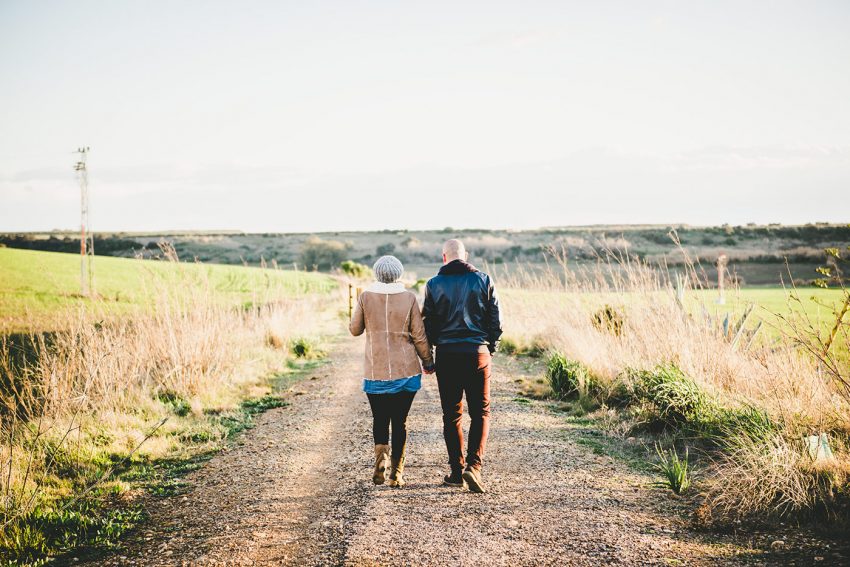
387,288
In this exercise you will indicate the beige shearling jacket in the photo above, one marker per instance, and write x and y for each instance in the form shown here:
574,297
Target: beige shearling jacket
395,334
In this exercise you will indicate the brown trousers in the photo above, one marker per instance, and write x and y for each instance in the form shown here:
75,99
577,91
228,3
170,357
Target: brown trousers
460,373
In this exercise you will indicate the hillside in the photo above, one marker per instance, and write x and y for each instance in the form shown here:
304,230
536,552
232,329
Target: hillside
757,254
35,285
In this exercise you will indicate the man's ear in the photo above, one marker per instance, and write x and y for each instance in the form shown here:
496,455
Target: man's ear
444,258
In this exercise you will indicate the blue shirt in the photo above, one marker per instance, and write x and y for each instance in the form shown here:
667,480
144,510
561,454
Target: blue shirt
409,384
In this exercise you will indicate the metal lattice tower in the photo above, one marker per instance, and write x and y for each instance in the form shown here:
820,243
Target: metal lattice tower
86,237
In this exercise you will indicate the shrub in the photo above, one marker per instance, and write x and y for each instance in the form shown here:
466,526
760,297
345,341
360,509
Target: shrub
509,346
609,320
568,377
772,478
673,470
274,340
674,399
537,348
355,269
304,348
747,420
323,254
176,403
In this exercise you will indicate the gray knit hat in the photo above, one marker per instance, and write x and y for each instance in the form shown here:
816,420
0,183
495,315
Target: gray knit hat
388,269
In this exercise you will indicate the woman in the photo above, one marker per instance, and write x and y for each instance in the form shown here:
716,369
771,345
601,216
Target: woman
395,343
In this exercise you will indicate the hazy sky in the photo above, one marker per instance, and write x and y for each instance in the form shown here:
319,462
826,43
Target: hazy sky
307,116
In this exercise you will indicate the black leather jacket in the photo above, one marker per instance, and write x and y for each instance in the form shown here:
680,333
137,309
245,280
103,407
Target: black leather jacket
461,307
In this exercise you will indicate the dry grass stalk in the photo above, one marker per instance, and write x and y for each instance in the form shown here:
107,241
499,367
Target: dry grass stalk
799,392
99,384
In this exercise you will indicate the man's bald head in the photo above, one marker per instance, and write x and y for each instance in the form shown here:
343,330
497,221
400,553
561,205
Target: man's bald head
454,250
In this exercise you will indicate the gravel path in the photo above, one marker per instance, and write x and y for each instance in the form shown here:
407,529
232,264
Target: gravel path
297,491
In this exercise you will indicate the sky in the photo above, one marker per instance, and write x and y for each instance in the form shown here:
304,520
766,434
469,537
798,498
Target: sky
360,115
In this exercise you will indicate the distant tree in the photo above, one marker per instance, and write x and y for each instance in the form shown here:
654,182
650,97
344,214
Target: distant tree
385,249
318,254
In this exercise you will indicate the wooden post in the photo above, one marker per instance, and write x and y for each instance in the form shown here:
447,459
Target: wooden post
721,262
353,295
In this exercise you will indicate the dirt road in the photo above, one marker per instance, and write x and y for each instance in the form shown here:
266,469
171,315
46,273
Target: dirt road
297,490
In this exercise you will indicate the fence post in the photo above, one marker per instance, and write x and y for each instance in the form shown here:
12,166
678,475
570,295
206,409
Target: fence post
350,301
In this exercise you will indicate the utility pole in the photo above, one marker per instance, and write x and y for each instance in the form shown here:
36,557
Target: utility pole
86,238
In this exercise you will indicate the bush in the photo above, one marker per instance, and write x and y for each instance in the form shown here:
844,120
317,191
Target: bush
305,348
274,340
674,399
508,346
176,403
771,479
321,254
609,320
537,348
355,269
568,377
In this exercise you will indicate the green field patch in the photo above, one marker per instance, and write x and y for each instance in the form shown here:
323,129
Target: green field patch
35,286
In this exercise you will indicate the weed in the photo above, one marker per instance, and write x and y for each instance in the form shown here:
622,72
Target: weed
537,348
674,471
568,377
608,319
275,341
509,346
22,543
175,402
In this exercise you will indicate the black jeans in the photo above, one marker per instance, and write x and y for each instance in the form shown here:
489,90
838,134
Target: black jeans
391,408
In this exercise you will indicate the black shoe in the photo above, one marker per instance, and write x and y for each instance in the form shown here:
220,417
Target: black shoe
473,480
455,479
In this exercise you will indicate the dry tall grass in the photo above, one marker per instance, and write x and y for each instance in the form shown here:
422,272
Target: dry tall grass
662,322
106,389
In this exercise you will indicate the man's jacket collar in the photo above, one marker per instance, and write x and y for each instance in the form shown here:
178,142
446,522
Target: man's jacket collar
456,267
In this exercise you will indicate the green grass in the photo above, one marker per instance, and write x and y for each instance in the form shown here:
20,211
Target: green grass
36,285
776,300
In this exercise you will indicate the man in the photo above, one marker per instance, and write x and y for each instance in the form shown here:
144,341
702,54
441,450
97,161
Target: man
461,314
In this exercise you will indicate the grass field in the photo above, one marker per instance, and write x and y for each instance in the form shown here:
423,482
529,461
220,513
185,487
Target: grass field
35,286
768,301
110,394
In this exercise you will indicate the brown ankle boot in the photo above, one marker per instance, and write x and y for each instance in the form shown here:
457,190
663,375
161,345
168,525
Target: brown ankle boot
382,452
396,472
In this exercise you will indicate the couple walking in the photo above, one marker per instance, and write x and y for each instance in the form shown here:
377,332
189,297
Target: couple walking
460,320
